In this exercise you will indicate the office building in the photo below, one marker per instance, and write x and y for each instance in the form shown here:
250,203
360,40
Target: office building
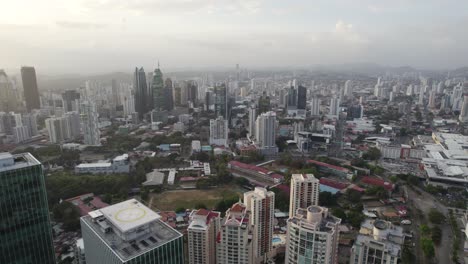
252,120
90,122
201,236
141,92
31,92
129,232
292,98
312,236
304,192
261,204
315,106
8,95
234,245
168,95
379,242
301,97
219,131
335,106
221,101
264,104
70,100
265,133
157,88
26,234
355,112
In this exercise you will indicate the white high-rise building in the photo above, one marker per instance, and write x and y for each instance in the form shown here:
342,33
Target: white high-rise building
432,99
421,98
304,192
315,106
219,131
73,124
312,237
90,122
464,110
252,119
378,242
30,121
261,204
21,134
348,89
201,235
57,128
265,133
234,243
335,106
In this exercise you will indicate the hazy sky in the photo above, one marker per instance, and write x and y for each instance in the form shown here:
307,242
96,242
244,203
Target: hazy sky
73,36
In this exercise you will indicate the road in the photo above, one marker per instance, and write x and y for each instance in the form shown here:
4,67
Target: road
425,202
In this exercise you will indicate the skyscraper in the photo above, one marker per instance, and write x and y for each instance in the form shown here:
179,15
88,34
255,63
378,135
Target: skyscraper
315,106
201,235
168,94
157,87
252,119
312,236
265,133
221,101
70,98
8,100
464,110
234,245
26,235
305,189
130,233
334,106
31,92
261,204
301,97
141,92
219,131
348,89
57,129
90,122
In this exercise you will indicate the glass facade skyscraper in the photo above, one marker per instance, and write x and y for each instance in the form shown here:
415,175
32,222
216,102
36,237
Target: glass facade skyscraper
25,231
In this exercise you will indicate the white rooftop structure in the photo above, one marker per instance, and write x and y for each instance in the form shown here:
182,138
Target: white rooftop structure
171,177
154,178
129,215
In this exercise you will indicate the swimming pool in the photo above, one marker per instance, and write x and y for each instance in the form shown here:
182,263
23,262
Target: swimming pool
276,239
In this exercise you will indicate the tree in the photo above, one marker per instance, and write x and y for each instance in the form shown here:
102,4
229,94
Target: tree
428,247
372,154
340,213
355,218
353,196
68,214
436,235
327,199
425,230
180,210
436,217
200,206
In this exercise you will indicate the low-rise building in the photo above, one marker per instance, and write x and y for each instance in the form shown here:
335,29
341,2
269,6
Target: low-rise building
119,164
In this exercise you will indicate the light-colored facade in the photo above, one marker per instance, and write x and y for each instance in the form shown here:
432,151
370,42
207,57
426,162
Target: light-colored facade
234,240
261,204
80,257
57,129
378,242
334,106
315,106
90,122
219,131
304,192
119,164
312,237
129,232
265,133
201,235
252,120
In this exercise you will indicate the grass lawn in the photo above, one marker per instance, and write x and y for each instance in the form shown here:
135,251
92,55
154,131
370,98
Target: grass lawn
171,200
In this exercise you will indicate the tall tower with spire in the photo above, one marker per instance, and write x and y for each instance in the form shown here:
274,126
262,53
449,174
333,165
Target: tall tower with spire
157,87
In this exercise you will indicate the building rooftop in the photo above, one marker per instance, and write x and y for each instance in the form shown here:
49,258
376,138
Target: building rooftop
129,215
130,228
17,161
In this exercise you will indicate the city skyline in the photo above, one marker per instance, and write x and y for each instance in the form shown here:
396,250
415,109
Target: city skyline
254,33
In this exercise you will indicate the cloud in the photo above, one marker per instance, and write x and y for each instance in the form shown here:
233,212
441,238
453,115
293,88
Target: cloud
162,7
79,25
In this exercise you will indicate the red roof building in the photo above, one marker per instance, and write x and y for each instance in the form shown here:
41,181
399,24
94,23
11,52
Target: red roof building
378,182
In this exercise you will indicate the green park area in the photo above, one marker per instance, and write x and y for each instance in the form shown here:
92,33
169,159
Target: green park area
178,199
